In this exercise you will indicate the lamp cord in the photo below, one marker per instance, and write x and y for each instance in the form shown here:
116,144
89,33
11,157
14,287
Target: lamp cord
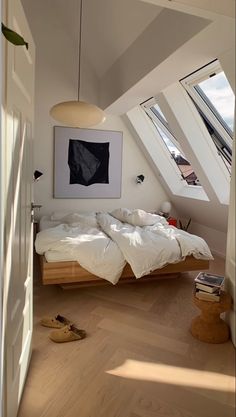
80,41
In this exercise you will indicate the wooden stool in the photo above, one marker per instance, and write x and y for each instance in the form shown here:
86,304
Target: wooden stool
209,327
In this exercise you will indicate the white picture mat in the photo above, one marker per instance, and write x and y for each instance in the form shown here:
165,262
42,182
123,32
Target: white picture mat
62,187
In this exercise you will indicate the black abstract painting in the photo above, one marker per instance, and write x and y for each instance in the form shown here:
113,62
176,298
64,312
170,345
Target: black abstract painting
88,162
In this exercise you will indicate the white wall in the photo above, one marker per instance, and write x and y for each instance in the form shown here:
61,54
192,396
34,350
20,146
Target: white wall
215,238
56,80
148,196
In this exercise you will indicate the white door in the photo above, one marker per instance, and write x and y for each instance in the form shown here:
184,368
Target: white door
18,178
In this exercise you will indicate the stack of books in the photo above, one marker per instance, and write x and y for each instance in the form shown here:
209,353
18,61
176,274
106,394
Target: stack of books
208,286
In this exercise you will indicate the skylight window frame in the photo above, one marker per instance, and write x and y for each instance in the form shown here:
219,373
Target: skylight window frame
190,83
163,125
161,143
193,135
219,143
161,157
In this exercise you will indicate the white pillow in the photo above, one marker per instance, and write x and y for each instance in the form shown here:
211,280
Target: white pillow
58,215
121,214
77,219
73,219
137,217
142,218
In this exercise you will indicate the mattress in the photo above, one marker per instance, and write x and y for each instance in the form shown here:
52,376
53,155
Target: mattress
55,256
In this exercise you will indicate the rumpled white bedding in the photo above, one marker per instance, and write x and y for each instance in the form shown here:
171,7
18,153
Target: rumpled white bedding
104,250
92,248
151,247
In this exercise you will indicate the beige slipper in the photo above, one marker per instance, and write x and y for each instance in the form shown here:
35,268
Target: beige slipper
57,322
67,334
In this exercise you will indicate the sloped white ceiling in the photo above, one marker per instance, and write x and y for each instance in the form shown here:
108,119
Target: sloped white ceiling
111,26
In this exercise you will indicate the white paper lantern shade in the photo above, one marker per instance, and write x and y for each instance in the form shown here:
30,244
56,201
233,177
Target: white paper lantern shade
77,114
166,208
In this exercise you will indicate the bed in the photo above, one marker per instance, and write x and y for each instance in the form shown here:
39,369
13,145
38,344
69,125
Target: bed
83,249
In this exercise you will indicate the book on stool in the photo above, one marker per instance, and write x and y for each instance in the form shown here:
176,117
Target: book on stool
208,286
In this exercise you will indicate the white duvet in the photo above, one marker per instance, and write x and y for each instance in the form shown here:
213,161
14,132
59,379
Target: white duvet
104,248
94,251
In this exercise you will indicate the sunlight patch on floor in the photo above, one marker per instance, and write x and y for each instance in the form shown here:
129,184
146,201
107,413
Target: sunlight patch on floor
167,374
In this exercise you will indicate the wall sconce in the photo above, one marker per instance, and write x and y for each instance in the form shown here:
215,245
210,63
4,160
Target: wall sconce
37,175
140,179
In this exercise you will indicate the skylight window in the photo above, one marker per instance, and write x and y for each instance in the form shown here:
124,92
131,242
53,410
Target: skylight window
218,95
164,151
161,124
214,100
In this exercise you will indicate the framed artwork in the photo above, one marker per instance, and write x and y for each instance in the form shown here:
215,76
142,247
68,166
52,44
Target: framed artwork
87,163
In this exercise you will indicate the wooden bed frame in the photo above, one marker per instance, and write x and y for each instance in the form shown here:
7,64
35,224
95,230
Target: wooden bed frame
71,274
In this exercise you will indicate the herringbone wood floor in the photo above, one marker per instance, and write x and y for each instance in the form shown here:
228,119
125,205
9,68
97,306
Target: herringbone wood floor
139,359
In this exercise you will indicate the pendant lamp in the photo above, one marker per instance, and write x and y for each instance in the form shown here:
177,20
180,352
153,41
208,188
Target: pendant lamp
78,113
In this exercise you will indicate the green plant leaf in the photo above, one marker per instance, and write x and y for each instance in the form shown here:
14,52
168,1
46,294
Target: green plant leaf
13,37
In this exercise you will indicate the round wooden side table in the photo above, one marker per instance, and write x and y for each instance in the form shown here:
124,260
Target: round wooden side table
208,326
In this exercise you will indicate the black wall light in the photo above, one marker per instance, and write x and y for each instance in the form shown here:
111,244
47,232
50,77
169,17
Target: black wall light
140,179
37,175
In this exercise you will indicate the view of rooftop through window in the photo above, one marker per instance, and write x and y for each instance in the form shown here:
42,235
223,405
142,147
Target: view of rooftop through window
184,166
218,95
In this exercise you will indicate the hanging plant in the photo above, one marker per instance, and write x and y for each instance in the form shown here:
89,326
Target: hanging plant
13,36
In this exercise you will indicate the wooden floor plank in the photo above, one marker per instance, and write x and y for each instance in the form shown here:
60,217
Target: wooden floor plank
138,360
144,337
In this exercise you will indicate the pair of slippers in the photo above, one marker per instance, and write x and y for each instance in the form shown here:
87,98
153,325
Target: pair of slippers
66,330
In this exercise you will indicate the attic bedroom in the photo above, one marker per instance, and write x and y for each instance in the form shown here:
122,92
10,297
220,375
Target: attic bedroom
117,231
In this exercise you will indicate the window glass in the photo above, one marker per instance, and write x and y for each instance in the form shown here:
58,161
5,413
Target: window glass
158,115
184,166
158,109
218,94
223,149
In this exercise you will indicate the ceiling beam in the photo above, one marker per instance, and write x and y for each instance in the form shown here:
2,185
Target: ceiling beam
153,47
202,8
